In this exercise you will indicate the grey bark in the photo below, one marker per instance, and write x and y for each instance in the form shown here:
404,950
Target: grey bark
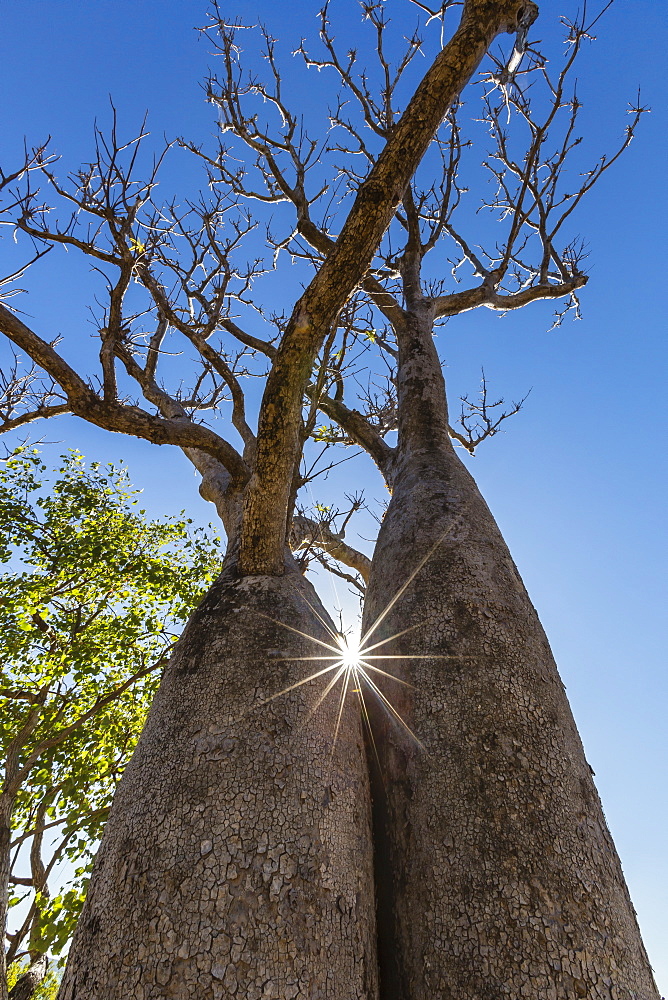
496,873
237,858
25,985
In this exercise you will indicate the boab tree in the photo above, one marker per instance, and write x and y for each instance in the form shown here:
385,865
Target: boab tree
495,872
238,857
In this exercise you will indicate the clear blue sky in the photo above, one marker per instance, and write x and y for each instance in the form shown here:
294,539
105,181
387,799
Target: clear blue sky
578,481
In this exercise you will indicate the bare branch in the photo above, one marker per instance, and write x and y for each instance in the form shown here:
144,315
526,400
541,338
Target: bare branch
332,567
25,396
84,402
308,534
267,499
359,430
478,421
485,295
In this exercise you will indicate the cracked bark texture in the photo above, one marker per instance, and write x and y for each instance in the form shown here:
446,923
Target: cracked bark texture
237,858
497,876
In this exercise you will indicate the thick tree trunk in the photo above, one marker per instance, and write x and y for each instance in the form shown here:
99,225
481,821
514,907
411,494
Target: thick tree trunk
497,875
237,858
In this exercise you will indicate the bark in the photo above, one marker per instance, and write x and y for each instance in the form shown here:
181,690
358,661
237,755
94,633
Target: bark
501,875
496,873
237,858
26,985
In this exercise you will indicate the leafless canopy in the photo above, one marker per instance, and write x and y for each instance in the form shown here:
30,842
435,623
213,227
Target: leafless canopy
362,213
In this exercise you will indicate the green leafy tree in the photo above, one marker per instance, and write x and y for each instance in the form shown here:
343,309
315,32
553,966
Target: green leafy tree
93,598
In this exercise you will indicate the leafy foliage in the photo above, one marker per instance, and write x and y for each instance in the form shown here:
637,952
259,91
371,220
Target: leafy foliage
46,990
93,597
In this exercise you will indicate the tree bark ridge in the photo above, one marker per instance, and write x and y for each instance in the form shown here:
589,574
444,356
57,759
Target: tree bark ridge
237,858
503,879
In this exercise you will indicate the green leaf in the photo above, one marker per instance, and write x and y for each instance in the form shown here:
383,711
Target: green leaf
93,593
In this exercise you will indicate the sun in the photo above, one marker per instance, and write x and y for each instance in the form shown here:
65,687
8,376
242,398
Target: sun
348,662
351,654
349,657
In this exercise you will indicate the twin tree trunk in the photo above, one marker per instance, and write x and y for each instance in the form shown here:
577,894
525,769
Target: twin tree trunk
496,873
237,859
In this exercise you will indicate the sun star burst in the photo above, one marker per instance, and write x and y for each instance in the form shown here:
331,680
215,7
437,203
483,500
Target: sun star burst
349,660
